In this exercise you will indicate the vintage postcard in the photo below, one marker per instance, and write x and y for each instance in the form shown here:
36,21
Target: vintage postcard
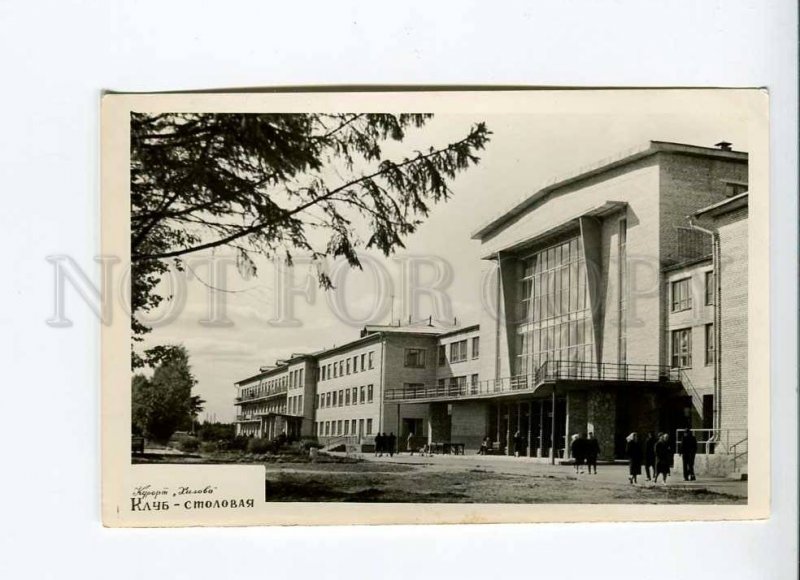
435,306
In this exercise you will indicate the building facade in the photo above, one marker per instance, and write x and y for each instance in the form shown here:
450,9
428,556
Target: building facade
617,304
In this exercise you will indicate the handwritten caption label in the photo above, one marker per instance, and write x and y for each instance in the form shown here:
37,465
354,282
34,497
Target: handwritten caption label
147,498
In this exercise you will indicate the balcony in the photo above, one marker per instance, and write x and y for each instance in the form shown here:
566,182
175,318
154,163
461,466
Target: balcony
261,396
550,372
247,418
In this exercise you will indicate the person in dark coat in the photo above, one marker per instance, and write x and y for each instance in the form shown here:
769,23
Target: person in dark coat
577,449
592,453
634,452
663,451
517,444
688,453
378,445
650,454
391,443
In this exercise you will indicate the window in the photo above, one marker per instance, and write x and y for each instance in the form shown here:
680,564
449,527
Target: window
322,373
415,358
442,355
300,378
353,426
363,360
733,188
362,398
369,426
622,304
440,385
339,427
347,397
341,368
334,398
335,370
682,348
355,395
347,427
327,399
348,365
710,288
476,347
474,381
327,427
360,427
458,351
341,398
328,374
300,404
681,295
709,344
371,359
369,393
355,364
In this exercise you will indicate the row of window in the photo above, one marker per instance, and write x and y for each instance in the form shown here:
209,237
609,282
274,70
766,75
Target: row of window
682,346
295,405
458,351
346,397
346,366
681,293
358,427
457,382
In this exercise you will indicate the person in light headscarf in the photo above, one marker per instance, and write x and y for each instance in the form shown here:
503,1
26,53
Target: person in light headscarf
634,452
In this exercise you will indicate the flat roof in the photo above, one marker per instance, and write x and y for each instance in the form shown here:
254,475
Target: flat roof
624,158
724,206
462,330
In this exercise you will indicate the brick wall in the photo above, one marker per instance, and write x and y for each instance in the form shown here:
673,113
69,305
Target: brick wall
734,267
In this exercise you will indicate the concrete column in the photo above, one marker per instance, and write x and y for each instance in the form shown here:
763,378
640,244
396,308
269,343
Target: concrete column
540,451
577,407
438,423
601,419
530,424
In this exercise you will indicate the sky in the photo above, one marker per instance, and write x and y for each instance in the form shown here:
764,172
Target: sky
525,151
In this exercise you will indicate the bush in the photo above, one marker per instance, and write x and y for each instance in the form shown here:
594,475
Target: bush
237,443
260,446
307,444
209,447
189,444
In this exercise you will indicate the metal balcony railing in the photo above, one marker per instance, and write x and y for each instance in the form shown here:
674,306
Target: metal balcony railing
261,395
550,371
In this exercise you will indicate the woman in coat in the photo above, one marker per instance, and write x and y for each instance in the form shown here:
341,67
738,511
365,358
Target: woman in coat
576,448
663,457
634,452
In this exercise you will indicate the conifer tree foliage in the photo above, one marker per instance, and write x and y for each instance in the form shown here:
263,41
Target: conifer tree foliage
276,185
164,402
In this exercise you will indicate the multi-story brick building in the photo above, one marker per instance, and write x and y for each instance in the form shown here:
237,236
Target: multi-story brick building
605,315
582,328
277,400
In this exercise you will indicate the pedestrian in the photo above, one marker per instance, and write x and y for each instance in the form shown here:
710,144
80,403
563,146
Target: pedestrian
391,442
576,447
517,444
634,452
663,458
384,443
592,452
378,445
688,453
410,443
650,454
485,444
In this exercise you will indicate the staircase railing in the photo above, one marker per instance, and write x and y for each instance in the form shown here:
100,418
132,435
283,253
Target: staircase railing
697,398
739,451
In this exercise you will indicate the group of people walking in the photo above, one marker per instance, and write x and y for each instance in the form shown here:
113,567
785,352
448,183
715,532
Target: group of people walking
385,444
657,456
585,450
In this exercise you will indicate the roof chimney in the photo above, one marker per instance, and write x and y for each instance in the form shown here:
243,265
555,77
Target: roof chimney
723,146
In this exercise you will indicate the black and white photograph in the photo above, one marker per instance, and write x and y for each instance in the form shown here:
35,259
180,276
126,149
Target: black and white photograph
489,307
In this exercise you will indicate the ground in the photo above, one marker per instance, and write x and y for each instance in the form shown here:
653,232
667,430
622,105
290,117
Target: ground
465,479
